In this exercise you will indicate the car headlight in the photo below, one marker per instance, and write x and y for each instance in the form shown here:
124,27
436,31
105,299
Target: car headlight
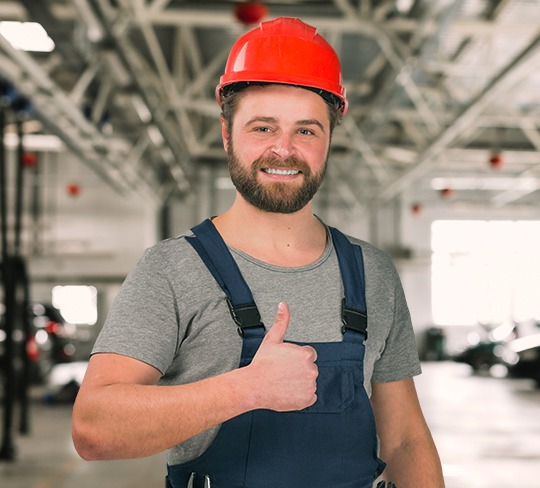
509,357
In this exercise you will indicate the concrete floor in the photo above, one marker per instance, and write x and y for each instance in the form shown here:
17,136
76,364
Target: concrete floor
487,431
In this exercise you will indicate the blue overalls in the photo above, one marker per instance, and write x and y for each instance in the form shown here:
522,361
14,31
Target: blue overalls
331,444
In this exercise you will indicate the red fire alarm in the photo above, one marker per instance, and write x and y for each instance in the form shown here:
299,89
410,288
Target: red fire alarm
496,161
73,189
416,208
250,12
29,159
447,193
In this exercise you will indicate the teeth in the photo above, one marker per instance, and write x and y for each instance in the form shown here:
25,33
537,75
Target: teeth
283,172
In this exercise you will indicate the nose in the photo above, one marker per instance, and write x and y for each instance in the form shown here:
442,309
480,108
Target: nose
282,147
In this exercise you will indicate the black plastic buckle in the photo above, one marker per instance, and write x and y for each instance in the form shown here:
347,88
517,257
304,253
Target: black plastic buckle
353,319
245,316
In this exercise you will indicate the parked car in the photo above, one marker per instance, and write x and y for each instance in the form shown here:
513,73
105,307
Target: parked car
522,357
480,357
49,343
64,382
482,354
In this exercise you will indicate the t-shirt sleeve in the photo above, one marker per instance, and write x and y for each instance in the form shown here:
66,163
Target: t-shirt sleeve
143,311
399,358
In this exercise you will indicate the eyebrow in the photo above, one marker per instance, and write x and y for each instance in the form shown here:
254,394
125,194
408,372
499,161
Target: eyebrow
269,120
273,120
311,122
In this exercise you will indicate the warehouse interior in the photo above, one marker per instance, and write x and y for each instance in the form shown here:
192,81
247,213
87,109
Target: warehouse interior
111,141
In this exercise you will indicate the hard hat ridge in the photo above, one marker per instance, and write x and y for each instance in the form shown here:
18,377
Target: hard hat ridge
285,51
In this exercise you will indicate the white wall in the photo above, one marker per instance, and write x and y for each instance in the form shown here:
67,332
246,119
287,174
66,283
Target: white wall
93,238
98,232
97,236
416,235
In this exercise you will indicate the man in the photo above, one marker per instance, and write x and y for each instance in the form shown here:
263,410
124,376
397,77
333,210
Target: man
268,407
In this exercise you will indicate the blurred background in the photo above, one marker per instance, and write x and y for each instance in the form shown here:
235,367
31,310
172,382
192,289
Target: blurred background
110,141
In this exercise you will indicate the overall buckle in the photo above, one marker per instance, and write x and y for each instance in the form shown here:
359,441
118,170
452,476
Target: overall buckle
353,319
245,316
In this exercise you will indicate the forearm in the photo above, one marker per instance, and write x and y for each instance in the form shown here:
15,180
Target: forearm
414,464
406,443
120,421
121,413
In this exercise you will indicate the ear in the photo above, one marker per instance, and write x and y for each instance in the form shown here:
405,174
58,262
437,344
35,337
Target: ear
224,133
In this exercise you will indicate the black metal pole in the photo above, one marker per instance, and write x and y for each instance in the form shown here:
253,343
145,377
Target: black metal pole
21,285
19,189
3,187
35,210
23,290
7,450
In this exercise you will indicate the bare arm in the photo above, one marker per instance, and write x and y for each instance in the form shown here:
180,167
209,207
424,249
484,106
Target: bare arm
120,412
406,443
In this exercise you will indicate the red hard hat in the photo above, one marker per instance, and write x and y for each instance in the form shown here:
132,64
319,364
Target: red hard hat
285,50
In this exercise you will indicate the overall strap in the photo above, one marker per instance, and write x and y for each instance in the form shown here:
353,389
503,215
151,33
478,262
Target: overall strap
215,254
351,265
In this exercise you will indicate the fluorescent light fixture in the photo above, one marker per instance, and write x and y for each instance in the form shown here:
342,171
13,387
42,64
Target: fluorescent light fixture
27,36
501,183
35,142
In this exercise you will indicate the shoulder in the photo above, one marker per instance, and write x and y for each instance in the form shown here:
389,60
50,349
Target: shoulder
165,252
376,260
171,260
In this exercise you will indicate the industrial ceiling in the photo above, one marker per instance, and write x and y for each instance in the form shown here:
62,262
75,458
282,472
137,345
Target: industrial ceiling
437,89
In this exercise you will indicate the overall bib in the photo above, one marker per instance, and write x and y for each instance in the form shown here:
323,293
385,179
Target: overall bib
331,444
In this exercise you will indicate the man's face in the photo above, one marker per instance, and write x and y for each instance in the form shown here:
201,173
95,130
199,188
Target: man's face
278,149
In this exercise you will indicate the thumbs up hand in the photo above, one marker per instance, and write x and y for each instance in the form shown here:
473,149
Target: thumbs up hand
284,374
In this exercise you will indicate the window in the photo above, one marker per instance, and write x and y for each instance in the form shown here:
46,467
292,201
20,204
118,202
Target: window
485,271
77,304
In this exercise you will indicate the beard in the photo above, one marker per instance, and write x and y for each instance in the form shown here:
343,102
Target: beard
278,197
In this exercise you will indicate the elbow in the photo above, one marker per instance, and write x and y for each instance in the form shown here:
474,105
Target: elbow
86,448
87,442
90,436
86,453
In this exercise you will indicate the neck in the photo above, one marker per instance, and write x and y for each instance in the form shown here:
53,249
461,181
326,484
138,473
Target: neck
295,239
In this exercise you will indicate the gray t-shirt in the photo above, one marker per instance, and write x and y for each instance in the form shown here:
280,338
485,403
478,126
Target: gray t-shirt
171,314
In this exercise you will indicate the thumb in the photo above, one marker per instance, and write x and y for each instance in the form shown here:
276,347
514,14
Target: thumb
278,330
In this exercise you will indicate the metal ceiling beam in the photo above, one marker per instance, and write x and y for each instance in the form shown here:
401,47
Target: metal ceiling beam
516,70
39,11
358,140
405,79
57,112
12,10
519,191
224,18
397,114
117,26
167,82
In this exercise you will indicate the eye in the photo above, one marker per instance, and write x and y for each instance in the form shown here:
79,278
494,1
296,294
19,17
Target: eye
262,129
306,132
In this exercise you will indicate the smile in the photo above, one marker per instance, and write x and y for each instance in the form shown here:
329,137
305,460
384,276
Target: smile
282,172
